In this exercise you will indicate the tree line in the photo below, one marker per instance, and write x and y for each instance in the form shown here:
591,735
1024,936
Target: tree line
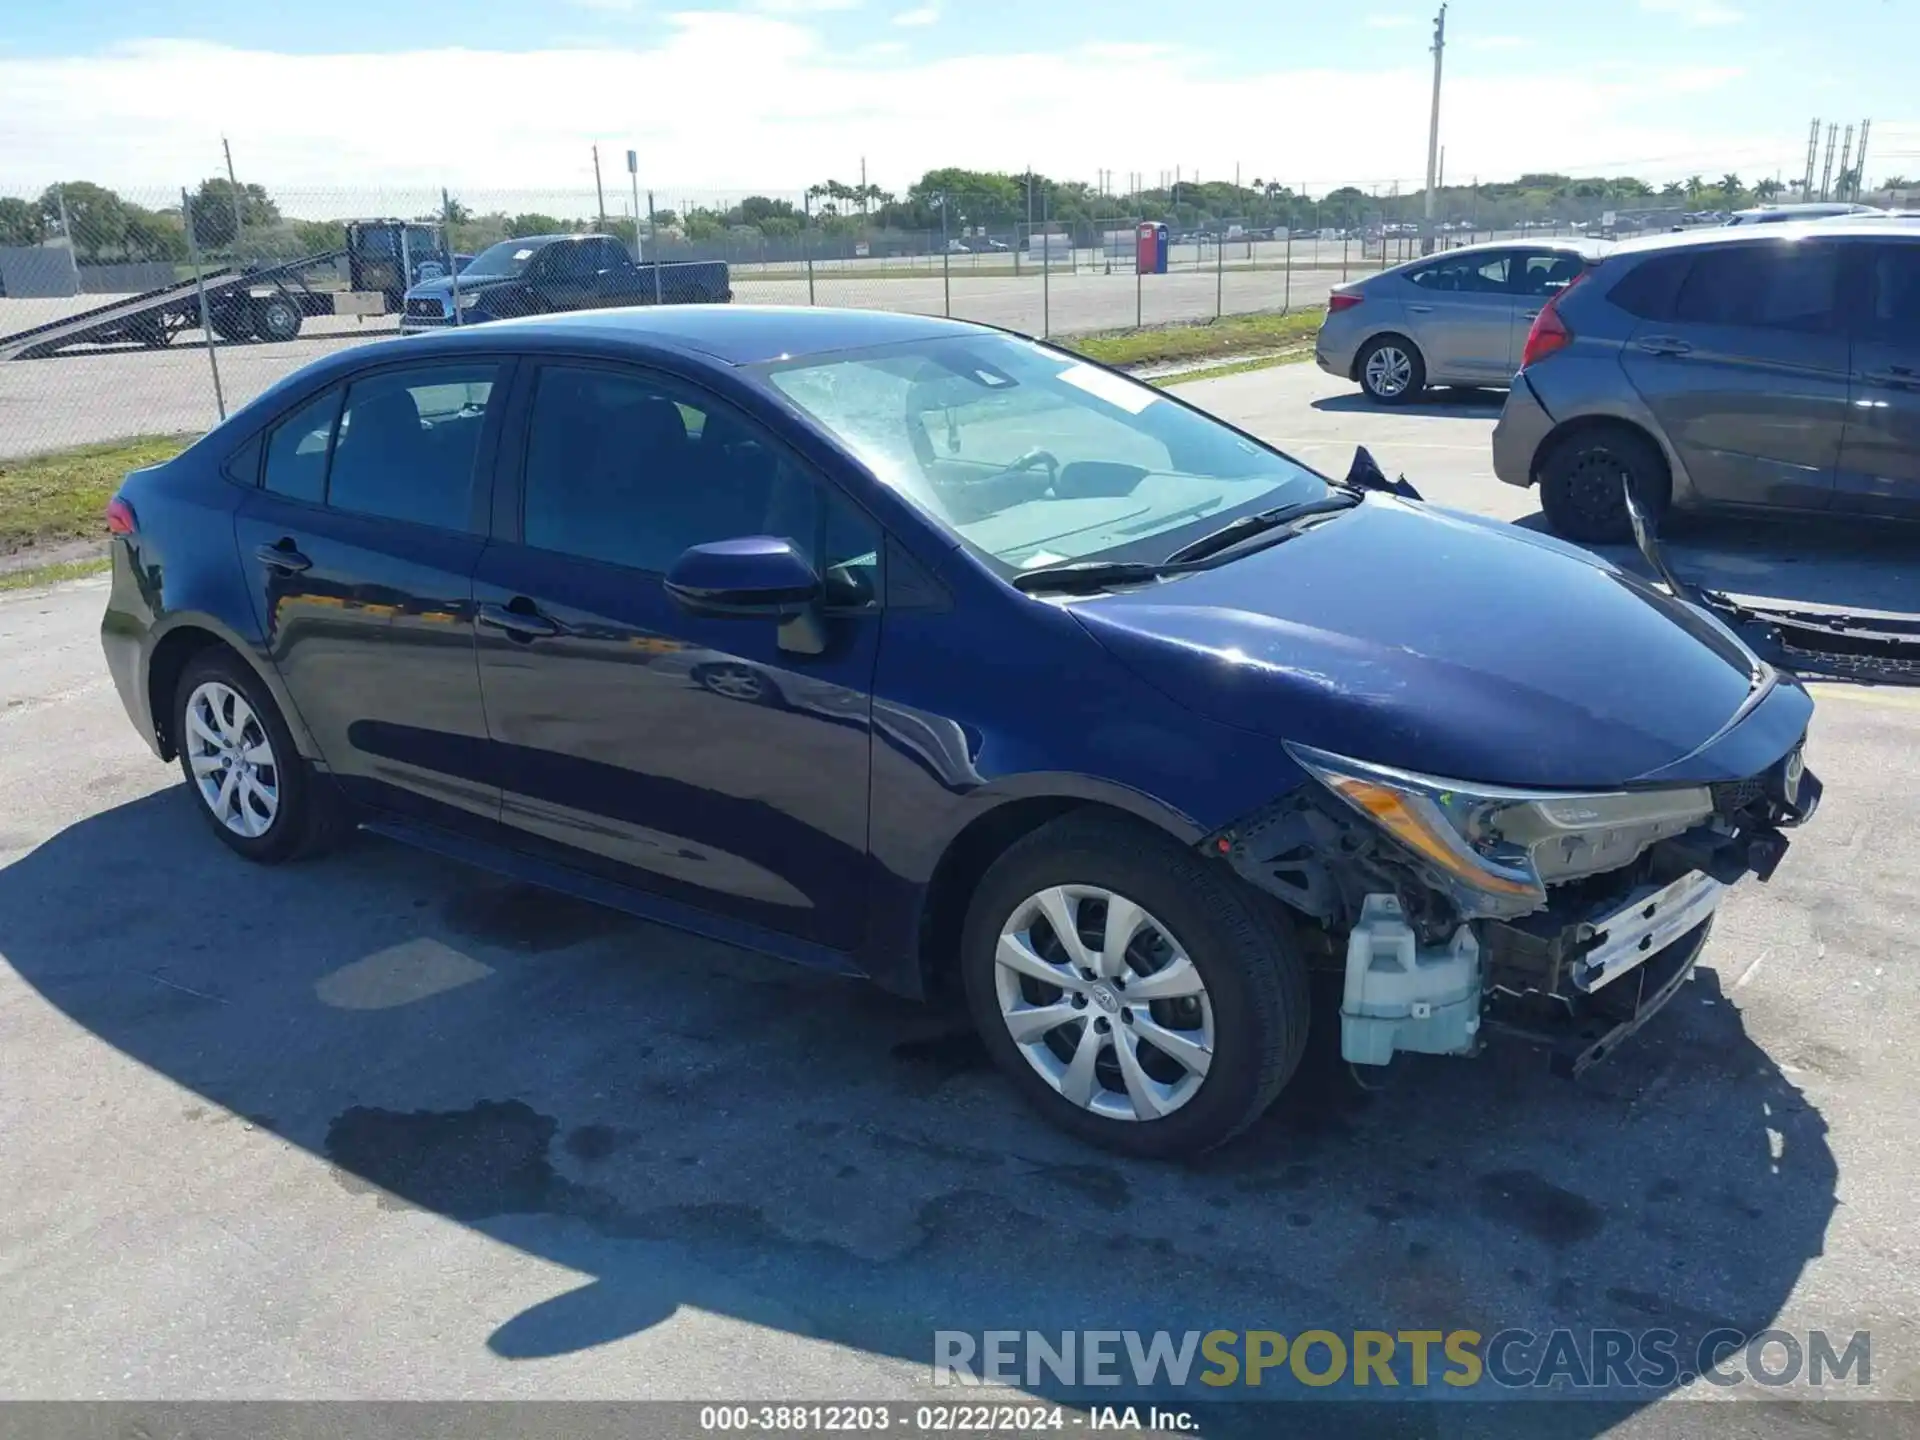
106,227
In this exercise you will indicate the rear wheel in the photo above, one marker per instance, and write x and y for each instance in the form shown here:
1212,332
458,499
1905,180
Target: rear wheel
276,318
232,323
248,780
1583,481
1391,370
1133,994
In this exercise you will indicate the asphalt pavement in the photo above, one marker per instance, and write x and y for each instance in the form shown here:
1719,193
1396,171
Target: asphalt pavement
377,1126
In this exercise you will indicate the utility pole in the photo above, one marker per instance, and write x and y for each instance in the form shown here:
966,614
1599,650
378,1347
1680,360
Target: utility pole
234,188
1846,155
1860,160
599,192
633,174
1826,170
1433,126
863,187
1813,151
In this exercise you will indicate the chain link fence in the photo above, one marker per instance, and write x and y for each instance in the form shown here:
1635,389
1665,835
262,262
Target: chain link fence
155,312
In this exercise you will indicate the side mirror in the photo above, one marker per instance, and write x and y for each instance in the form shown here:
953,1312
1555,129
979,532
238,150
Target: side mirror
753,575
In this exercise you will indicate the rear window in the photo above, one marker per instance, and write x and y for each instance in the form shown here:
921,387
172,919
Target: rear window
1650,288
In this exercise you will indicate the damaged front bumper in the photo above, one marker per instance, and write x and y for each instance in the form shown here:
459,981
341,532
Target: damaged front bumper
1577,971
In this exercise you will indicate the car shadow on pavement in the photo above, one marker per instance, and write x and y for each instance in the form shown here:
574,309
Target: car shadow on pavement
693,1126
1807,560
1460,403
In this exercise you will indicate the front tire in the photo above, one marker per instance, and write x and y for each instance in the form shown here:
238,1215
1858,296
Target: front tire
1135,995
1583,481
247,779
276,319
1391,371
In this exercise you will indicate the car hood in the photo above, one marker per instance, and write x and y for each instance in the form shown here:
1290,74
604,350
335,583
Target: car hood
440,287
1419,638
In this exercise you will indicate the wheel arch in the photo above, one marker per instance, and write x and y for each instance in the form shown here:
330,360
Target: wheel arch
970,852
167,658
1578,425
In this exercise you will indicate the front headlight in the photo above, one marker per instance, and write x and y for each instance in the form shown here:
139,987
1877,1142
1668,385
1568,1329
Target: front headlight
1494,851
467,302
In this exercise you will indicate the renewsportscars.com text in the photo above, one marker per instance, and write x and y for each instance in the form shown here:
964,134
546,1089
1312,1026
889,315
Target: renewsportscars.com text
1654,1359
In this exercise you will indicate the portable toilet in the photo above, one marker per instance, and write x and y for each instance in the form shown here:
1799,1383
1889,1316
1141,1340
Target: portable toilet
1150,252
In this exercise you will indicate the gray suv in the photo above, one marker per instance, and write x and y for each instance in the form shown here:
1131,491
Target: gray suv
1458,318
1769,367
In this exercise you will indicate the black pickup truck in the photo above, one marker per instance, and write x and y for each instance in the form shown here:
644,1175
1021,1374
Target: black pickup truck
542,274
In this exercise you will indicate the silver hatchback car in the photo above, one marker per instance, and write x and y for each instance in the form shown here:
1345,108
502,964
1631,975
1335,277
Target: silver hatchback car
1456,318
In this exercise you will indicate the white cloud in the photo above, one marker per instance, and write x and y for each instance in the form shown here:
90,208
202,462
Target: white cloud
923,15
1694,12
147,118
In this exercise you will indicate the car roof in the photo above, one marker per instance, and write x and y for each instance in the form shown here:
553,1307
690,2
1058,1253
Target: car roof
1827,226
735,334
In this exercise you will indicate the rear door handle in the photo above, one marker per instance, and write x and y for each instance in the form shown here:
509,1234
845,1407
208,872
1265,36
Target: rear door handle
1664,345
284,557
527,624
1419,309
1529,314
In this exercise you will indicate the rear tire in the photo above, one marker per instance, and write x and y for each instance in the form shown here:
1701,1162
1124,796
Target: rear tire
1583,480
1180,1041
276,319
1391,371
246,777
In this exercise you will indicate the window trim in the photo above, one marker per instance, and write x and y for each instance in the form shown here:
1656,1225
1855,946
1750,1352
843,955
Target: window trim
510,488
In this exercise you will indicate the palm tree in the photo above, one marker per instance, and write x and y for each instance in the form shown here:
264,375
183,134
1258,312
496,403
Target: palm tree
1730,185
1673,189
1694,186
1766,189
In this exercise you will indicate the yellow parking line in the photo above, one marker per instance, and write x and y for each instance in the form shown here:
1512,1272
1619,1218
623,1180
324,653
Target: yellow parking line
1862,695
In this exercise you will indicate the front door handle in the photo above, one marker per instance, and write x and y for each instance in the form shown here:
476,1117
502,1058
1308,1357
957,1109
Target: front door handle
1420,309
1664,345
518,623
1529,314
1894,377
283,556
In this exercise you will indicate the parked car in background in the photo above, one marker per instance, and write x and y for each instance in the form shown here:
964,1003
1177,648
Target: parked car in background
1459,318
916,650
543,274
1784,214
1767,368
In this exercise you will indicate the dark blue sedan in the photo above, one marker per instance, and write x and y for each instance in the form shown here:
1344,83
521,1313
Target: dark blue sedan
922,651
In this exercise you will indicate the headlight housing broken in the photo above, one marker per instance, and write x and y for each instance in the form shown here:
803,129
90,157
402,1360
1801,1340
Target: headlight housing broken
1494,851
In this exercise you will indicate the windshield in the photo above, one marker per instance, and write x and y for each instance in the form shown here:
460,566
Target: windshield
509,257
1035,458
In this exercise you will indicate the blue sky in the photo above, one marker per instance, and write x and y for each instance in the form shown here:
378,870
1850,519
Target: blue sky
771,94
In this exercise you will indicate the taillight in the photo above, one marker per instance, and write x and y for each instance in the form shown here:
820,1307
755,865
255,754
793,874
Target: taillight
1342,300
120,519
1549,332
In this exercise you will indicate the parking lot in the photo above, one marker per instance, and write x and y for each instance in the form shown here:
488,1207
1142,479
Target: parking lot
84,396
382,1127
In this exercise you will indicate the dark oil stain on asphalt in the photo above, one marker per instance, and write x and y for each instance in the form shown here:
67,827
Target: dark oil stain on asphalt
593,1142
1538,1207
1665,1188
467,1164
1277,1182
954,1053
525,917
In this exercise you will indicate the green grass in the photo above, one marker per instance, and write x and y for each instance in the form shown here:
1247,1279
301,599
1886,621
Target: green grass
1231,337
36,576
1231,367
60,497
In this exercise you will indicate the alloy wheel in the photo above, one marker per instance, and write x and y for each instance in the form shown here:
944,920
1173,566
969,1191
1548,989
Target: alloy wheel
1104,1002
1389,371
232,759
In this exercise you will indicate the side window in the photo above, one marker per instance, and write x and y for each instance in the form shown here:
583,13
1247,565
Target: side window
1545,273
603,254
297,450
407,444
1772,287
1650,288
634,469
1465,275
1893,312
